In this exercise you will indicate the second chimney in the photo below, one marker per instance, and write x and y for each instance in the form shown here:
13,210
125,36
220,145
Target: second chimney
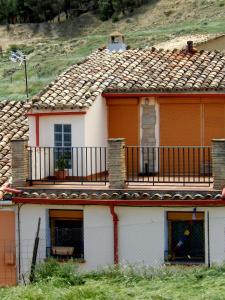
190,48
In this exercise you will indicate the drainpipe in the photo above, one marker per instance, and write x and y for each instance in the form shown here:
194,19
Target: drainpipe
223,193
115,234
19,240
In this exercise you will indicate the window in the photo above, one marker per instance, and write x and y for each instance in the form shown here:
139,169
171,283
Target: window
63,144
62,135
185,237
66,227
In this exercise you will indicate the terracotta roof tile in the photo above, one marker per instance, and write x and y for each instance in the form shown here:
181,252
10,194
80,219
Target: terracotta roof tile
13,125
122,194
145,70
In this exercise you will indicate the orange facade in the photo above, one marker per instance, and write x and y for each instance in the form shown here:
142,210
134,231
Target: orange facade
182,120
123,119
191,122
7,248
123,122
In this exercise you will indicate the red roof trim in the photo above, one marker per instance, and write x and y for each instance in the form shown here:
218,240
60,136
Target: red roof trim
117,202
191,95
56,113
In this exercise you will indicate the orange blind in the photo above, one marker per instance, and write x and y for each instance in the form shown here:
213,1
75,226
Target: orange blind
66,214
184,216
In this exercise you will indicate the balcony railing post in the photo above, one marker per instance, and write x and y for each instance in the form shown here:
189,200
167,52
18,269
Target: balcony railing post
116,163
218,163
19,162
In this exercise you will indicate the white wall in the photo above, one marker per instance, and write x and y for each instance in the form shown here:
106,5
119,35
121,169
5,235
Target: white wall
217,234
96,126
47,129
88,130
96,134
142,234
32,131
29,215
41,168
98,236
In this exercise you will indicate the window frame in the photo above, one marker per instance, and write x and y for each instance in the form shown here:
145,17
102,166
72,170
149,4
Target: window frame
65,215
183,216
60,150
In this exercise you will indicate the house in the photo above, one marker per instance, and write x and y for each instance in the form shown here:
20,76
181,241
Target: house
120,164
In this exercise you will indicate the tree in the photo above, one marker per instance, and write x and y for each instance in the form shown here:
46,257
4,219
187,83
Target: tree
105,9
8,11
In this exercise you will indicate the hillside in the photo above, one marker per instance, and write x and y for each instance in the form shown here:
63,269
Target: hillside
53,47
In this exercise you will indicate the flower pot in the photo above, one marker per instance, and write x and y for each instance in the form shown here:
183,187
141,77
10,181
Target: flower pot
62,250
61,174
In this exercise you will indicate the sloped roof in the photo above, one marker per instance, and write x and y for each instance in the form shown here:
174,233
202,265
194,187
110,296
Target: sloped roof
137,70
13,125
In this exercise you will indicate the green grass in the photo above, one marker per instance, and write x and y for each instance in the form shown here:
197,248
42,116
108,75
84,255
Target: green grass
124,283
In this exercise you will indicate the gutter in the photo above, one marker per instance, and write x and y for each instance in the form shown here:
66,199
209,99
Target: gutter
115,234
121,202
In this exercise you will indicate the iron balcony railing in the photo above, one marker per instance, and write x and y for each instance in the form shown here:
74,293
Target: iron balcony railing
67,164
148,165
169,164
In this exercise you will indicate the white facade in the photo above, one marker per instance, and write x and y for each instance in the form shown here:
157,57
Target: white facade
88,130
142,234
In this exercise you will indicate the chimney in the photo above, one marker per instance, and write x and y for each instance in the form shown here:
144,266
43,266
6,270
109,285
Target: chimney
116,42
190,48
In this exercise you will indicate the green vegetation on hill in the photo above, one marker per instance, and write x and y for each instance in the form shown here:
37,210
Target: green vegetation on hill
30,11
56,281
52,48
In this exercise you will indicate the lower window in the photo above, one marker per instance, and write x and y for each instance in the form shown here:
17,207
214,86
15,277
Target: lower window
66,228
186,241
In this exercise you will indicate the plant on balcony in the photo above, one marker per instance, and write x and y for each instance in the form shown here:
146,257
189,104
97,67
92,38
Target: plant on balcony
61,165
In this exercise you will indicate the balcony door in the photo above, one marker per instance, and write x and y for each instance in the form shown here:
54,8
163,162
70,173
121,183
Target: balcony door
123,122
62,146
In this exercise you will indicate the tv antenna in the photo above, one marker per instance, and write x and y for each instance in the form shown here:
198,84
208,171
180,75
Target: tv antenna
19,57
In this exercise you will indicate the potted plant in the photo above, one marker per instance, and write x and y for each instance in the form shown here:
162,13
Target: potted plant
61,166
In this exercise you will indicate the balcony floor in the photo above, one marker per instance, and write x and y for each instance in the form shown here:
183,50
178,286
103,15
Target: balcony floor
143,184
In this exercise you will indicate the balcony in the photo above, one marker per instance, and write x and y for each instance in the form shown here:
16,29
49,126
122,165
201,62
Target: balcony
58,165
146,166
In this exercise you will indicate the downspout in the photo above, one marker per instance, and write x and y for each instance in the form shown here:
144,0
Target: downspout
37,125
19,240
115,234
223,193
208,238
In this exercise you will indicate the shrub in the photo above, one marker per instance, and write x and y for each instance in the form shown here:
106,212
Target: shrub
115,18
24,48
58,273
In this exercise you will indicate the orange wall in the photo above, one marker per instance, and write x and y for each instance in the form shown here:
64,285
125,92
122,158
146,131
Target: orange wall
186,120
194,121
7,249
123,119
214,121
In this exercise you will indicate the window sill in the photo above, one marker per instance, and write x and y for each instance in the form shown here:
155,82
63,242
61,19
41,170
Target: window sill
74,260
183,263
